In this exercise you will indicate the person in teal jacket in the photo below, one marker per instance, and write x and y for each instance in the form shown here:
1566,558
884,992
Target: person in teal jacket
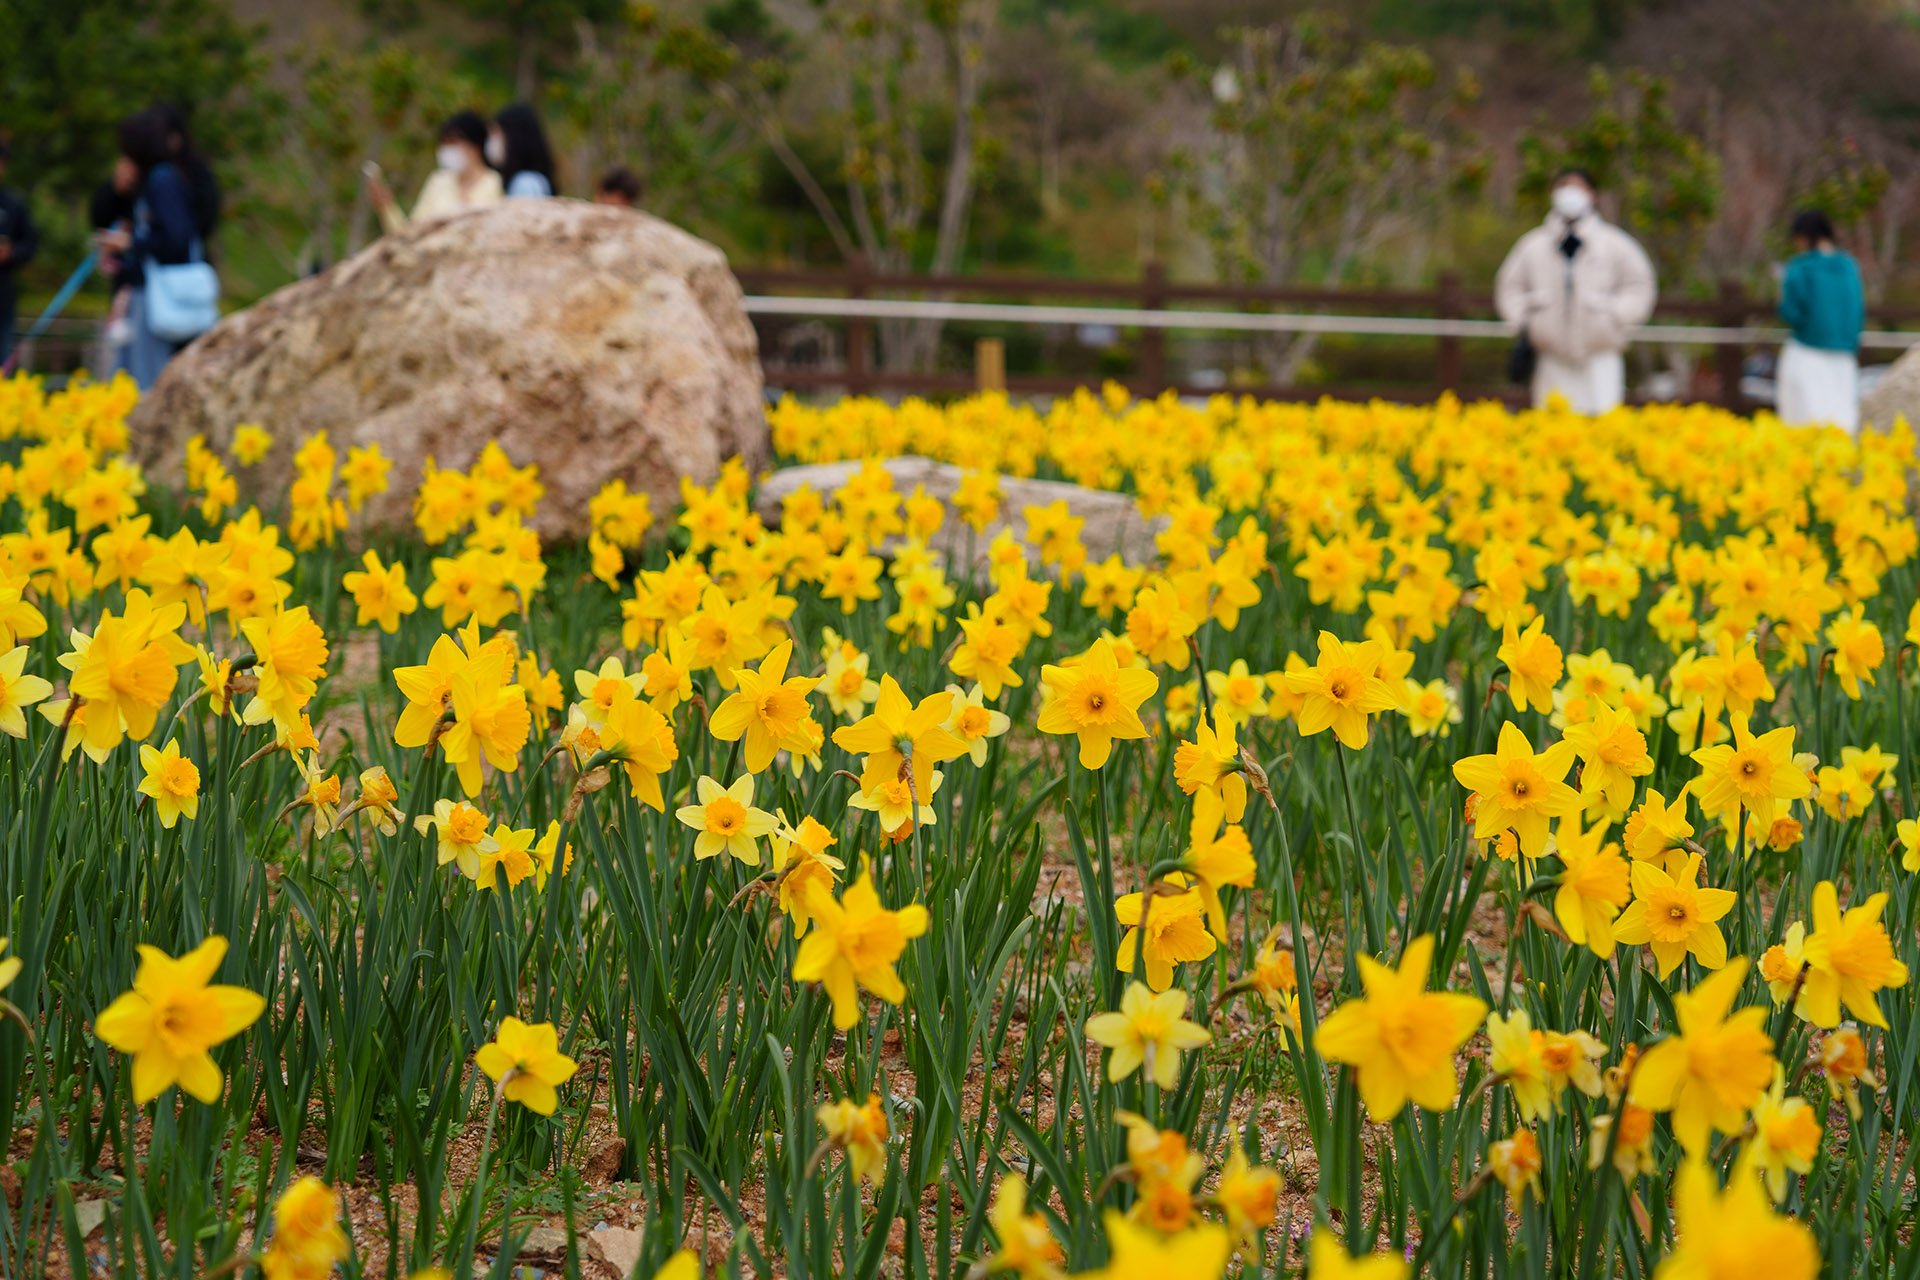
1818,380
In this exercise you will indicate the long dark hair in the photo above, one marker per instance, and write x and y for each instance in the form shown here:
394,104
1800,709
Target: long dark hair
526,143
202,186
143,140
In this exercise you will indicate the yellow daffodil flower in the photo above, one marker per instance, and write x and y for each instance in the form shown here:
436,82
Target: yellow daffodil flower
1674,915
1175,932
172,781
1751,772
1096,700
1593,886
307,1237
1149,1030
1399,1037
855,945
18,691
1715,1064
1533,665
860,1129
1733,1231
726,820
525,1060
1849,958
1027,1246
1518,789
173,1016
768,710
1328,1259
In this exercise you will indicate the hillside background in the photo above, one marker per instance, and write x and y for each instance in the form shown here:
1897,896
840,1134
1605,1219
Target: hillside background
1364,143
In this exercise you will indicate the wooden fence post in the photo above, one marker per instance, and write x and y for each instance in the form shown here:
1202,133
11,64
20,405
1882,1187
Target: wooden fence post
1153,342
859,332
990,365
1447,351
1731,357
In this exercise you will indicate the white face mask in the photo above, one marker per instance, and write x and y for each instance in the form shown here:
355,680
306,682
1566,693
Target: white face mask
1572,201
450,157
496,150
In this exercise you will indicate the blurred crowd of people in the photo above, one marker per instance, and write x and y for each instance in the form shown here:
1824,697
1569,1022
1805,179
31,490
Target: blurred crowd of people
1577,286
155,215
479,162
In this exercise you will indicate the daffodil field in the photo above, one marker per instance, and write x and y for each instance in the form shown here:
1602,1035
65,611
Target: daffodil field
1472,843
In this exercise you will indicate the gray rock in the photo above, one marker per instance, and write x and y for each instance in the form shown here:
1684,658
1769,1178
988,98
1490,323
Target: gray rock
544,1241
618,1247
88,1215
1113,521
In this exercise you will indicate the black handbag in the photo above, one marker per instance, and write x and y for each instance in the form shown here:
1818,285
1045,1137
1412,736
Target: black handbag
1521,360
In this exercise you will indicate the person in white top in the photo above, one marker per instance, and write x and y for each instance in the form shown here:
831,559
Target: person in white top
461,178
1576,286
517,147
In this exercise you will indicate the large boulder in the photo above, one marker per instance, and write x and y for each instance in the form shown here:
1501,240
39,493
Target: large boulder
1896,396
596,342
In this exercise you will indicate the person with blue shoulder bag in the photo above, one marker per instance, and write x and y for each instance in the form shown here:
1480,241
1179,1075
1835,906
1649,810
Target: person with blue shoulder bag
176,292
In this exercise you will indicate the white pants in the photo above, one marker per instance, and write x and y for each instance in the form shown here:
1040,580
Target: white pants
1593,386
1815,388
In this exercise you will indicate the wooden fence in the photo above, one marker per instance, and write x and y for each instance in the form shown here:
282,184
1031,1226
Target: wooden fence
1452,313
1722,322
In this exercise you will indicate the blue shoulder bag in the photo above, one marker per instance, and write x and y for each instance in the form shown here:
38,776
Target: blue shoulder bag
183,299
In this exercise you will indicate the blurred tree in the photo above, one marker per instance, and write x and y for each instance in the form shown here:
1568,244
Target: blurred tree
72,68
1588,25
1320,147
533,28
895,72
1665,176
1844,184
629,101
742,57
1054,70
306,200
1800,103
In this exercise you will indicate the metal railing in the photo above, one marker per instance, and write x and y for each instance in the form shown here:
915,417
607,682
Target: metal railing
61,349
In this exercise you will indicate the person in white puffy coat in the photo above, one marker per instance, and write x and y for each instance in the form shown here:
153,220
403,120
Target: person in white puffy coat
1577,286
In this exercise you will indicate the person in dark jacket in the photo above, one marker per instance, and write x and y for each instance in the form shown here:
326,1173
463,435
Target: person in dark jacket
19,241
165,230
1821,299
